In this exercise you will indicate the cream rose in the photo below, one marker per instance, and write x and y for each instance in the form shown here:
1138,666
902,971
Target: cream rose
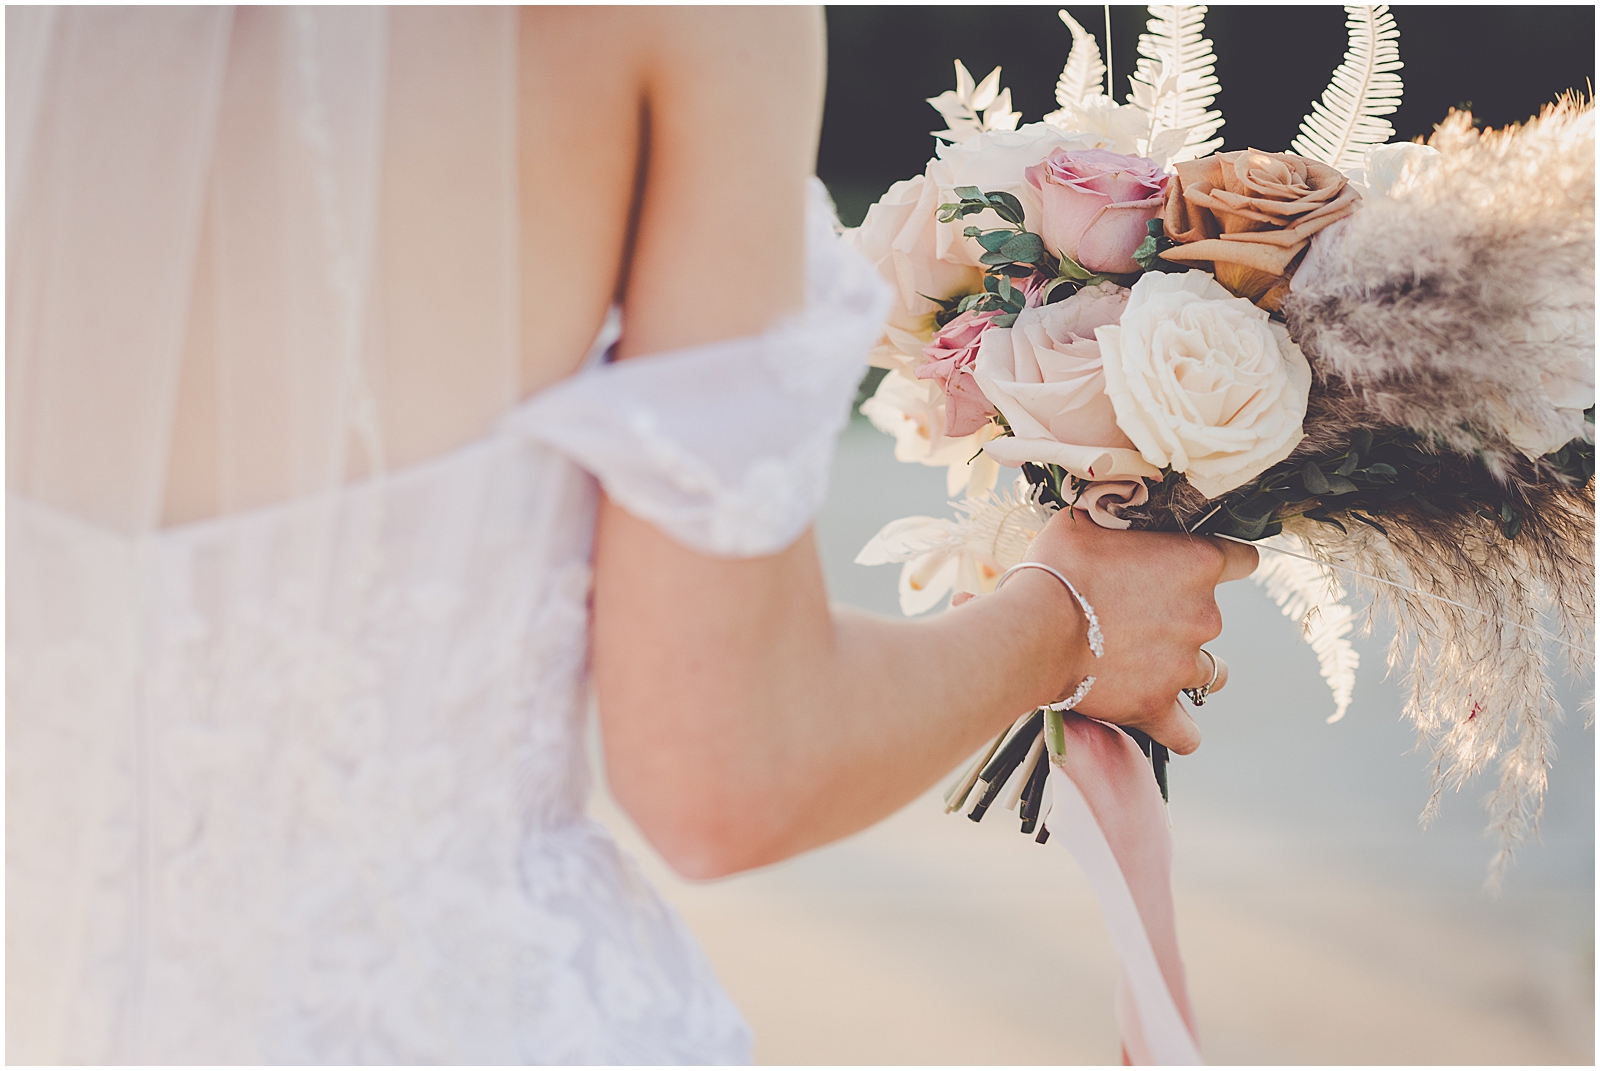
900,236
994,161
1203,382
1044,375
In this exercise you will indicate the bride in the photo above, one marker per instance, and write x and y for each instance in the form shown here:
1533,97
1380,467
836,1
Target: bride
321,527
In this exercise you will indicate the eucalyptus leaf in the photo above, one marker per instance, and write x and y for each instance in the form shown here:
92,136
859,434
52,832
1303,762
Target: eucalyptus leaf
992,241
1145,254
1251,528
1005,319
974,232
1338,485
1316,482
1349,464
969,193
1025,247
1071,269
1361,442
1007,206
992,259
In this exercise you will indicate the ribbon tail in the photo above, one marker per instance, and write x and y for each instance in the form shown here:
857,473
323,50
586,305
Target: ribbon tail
1154,1030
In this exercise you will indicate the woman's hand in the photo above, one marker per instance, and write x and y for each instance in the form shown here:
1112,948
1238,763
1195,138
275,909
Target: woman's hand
1155,596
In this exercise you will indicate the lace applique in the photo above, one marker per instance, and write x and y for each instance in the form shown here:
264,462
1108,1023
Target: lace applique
330,808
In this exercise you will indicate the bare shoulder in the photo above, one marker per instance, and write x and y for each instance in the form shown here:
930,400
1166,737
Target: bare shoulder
736,109
677,142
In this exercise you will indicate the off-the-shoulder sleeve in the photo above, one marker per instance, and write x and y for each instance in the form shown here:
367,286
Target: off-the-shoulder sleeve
727,447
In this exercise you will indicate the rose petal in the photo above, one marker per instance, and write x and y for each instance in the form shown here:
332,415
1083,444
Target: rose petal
1103,501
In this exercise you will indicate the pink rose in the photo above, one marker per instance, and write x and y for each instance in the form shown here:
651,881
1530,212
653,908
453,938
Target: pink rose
1045,374
949,360
1097,205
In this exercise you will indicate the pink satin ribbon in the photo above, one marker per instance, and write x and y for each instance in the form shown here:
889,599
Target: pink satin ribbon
1108,813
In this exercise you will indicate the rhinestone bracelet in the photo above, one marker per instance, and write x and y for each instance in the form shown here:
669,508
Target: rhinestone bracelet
1096,639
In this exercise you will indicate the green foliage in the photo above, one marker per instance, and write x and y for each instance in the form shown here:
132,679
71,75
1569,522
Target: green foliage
974,200
1148,255
1374,476
1013,252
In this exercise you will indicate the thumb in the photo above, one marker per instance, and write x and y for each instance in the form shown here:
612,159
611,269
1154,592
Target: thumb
1176,730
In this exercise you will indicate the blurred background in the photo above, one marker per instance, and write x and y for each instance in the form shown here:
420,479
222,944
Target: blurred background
1501,61
1319,923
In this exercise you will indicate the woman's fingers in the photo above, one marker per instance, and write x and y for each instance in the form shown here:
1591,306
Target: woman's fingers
1239,560
1204,671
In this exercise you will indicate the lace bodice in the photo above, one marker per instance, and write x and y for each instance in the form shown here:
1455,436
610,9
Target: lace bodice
318,793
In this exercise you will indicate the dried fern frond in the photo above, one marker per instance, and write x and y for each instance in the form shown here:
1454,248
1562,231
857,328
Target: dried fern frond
972,108
1085,72
1175,81
1348,118
1311,596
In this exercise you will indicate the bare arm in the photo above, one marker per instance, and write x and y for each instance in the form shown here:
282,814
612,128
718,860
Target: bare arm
744,721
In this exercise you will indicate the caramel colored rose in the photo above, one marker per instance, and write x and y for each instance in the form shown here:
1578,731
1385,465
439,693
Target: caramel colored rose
1251,214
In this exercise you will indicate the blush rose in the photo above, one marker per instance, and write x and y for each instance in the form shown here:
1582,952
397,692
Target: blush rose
1097,205
1044,374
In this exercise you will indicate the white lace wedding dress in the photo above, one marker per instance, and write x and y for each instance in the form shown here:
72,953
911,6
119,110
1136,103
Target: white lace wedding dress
307,783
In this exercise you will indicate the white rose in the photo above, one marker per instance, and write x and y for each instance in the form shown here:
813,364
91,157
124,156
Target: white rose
1203,382
900,236
912,410
1044,374
994,161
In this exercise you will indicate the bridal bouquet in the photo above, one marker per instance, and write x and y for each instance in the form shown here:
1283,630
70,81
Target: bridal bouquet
1371,358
